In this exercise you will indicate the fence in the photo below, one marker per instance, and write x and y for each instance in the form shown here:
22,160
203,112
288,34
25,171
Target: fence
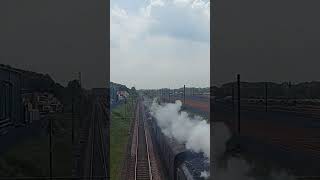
270,95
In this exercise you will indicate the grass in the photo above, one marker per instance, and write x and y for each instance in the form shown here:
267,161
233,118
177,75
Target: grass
31,157
27,159
119,134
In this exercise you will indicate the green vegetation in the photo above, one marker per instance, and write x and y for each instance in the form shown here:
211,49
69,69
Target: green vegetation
31,157
27,159
37,82
119,134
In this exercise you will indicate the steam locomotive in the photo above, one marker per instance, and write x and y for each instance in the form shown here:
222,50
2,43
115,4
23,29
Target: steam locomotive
179,163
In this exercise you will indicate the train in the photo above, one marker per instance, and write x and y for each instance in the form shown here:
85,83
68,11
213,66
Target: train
179,163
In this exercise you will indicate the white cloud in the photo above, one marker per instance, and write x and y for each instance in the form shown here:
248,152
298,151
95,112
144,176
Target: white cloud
153,3
158,44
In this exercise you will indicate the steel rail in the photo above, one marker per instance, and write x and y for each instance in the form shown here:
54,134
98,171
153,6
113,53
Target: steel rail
140,115
146,138
102,145
92,143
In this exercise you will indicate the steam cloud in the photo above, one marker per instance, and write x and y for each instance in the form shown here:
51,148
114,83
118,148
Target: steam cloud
236,167
193,131
205,174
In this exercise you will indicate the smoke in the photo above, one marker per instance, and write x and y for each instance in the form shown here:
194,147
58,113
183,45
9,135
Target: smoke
193,131
240,169
220,134
226,167
205,174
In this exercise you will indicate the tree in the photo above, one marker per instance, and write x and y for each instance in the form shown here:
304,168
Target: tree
74,84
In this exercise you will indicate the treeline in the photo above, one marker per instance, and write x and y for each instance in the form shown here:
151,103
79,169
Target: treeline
114,87
37,82
188,91
305,90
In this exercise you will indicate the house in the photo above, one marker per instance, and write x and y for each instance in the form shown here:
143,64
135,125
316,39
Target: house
122,95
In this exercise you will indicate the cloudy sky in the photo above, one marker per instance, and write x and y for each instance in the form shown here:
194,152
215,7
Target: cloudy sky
160,43
266,40
59,38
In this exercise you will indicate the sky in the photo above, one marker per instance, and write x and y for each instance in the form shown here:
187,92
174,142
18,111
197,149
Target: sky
266,41
59,38
160,43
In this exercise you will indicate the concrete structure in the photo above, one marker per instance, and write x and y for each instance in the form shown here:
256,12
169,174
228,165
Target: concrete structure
11,109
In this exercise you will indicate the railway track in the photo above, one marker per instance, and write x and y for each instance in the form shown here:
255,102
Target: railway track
97,159
142,164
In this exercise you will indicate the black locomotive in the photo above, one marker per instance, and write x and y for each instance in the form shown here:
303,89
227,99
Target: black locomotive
179,163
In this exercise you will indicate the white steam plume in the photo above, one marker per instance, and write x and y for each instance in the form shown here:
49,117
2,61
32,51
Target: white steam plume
193,131
236,167
205,174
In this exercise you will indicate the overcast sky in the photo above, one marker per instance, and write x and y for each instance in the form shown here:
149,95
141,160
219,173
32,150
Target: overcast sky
273,40
58,37
160,43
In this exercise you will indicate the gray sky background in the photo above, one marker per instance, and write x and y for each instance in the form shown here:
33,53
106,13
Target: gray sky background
58,37
163,43
274,40
160,43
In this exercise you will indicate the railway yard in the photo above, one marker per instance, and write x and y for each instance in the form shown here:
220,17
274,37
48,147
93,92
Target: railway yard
91,151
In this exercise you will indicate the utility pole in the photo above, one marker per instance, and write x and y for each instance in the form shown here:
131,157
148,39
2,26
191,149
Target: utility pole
288,93
80,79
50,146
125,108
238,80
173,95
72,109
80,98
232,93
184,94
266,96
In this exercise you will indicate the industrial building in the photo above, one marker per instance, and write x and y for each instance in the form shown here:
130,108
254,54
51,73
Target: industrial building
11,109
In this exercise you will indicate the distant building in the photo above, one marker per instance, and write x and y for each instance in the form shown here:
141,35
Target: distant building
118,93
11,111
122,95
